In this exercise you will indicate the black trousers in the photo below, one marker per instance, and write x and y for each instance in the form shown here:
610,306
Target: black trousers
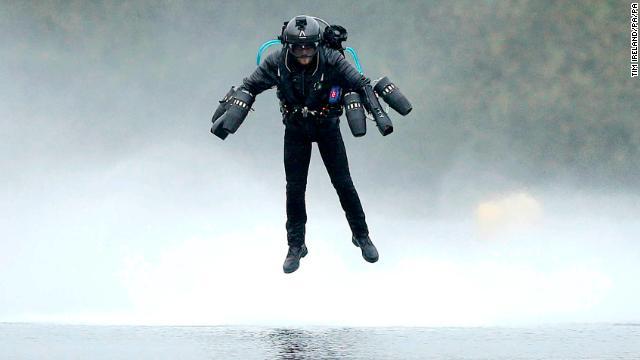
298,136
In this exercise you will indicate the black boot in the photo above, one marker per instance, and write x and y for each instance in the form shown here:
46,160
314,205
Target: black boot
369,251
292,261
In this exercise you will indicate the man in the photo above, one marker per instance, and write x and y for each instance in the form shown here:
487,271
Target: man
309,77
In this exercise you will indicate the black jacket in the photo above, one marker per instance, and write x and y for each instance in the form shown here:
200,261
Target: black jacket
308,86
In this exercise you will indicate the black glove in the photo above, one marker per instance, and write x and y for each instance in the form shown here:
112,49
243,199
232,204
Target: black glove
238,108
231,112
216,129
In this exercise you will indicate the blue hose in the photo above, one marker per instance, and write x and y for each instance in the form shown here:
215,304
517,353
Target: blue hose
264,47
355,58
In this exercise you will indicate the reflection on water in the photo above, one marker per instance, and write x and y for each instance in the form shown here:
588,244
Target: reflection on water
298,344
290,343
603,341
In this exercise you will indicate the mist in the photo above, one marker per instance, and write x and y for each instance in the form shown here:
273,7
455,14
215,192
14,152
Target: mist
509,194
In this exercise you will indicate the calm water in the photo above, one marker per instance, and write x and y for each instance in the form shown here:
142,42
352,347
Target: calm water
29,341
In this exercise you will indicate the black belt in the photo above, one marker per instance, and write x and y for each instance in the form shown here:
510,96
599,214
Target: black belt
304,111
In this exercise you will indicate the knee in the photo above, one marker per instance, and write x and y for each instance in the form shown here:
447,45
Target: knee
296,186
343,183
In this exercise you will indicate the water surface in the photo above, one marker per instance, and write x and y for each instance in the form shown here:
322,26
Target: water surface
36,341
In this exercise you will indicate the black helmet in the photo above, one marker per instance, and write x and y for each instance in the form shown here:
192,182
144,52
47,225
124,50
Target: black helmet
302,29
302,35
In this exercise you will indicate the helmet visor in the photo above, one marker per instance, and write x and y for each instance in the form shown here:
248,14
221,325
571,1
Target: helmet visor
303,50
